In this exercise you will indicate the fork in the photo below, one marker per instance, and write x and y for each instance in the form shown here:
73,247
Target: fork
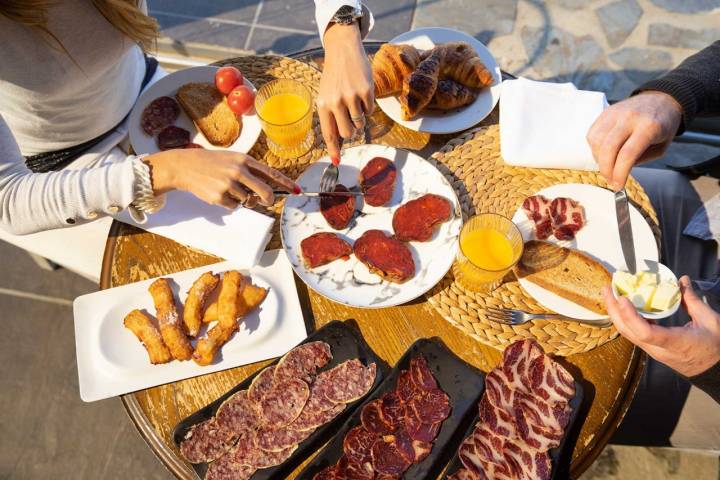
331,173
518,317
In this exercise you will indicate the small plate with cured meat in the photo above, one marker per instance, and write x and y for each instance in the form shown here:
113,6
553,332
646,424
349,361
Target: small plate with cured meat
411,424
525,425
185,110
386,245
581,219
268,424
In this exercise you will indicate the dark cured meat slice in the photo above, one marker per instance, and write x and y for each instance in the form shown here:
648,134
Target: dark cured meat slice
322,248
377,180
432,407
416,220
385,256
283,404
226,468
567,218
403,444
405,388
309,421
372,420
421,375
327,473
338,210
464,474
261,384
387,459
273,439
385,476
357,444
537,210
303,361
349,470
351,381
173,137
421,449
392,410
418,430
160,113
237,414
205,442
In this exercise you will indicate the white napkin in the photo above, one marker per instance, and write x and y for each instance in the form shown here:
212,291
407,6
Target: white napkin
543,125
239,235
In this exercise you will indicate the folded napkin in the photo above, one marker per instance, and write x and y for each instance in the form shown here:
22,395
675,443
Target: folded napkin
543,125
239,235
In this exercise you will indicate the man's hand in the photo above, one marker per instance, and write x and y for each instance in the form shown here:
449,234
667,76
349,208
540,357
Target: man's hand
689,350
632,131
347,90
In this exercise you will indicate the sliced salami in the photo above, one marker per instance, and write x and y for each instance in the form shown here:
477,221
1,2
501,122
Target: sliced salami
351,381
205,442
392,410
421,375
261,384
327,473
226,468
357,444
318,399
348,470
237,414
432,407
387,459
273,439
246,452
303,361
283,404
405,387
418,430
160,113
172,137
372,420
311,419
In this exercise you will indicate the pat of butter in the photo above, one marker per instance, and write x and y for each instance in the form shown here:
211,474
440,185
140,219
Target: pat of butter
647,278
642,296
666,295
625,282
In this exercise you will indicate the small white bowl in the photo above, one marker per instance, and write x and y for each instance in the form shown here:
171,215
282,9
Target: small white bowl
666,275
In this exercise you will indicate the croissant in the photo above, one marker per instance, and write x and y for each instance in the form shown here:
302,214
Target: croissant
419,88
450,95
391,65
461,63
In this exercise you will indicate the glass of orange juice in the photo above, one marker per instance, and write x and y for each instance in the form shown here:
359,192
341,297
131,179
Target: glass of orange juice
285,111
490,245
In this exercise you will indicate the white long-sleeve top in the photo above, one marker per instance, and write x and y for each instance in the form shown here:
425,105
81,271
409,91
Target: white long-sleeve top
50,100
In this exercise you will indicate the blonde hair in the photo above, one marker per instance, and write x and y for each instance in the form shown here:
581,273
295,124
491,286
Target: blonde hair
125,15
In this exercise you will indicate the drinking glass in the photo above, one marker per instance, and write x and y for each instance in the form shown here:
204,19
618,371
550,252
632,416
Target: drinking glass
293,138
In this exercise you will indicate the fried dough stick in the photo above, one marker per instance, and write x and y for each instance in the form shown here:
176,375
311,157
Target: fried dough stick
169,320
248,300
141,325
196,297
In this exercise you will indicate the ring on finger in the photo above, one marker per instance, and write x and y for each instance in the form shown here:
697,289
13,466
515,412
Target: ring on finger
358,118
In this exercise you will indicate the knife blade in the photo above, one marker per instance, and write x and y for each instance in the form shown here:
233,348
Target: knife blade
318,194
622,210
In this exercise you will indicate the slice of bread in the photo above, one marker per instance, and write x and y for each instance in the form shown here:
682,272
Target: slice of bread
210,112
568,273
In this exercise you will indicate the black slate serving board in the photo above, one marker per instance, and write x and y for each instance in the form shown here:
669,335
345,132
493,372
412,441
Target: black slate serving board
345,344
462,382
560,456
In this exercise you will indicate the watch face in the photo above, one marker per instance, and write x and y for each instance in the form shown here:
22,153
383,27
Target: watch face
347,14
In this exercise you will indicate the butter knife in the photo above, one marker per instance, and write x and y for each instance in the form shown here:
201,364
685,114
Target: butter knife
622,210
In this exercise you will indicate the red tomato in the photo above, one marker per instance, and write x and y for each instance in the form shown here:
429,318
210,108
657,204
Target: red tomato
241,100
227,78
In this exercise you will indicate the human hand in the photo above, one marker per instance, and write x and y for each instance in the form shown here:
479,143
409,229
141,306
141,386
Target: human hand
217,177
347,90
689,350
635,130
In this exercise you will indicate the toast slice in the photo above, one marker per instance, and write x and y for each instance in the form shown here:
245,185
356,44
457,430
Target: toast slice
568,273
209,110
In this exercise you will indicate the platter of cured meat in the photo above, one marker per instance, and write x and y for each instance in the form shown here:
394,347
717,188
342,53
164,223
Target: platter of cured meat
385,246
268,424
525,425
580,217
410,425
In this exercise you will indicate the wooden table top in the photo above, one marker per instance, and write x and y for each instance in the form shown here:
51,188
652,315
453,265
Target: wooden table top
609,373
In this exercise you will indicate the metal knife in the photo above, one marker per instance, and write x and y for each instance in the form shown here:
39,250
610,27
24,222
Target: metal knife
317,194
622,210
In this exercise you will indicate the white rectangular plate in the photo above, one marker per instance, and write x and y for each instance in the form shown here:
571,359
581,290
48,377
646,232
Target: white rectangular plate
111,361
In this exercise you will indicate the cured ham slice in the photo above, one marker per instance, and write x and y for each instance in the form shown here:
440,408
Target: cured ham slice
567,218
537,209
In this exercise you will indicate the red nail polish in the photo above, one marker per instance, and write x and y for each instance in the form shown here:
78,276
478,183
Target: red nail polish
336,161
297,190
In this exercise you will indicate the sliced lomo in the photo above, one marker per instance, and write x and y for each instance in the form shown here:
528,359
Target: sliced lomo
432,407
357,444
386,458
372,420
421,375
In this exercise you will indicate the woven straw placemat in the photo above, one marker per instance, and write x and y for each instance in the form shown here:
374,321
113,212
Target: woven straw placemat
484,183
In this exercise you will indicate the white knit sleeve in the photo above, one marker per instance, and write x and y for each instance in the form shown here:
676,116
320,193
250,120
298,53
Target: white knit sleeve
325,10
32,202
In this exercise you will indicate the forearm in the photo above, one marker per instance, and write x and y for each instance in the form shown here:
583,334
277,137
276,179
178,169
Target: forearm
709,382
695,83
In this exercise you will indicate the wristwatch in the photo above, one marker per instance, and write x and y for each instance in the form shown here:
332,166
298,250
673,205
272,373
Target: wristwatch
348,14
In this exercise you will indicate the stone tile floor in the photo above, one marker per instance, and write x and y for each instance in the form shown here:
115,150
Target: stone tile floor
46,431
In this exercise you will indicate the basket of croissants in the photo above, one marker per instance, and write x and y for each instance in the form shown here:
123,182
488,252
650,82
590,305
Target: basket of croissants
446,77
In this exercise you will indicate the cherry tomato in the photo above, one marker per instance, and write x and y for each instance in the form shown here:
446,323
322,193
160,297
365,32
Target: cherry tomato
227,78
241,100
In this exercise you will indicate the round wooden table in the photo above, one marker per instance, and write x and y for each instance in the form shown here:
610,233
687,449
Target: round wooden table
610,373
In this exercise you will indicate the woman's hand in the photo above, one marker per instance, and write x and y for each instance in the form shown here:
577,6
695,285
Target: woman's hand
689,350
635,130
347,90
217,177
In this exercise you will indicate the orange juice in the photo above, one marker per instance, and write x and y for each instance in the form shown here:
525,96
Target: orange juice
284,108
488,249
285,111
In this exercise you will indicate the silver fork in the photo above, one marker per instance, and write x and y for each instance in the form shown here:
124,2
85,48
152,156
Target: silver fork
518,317
331,173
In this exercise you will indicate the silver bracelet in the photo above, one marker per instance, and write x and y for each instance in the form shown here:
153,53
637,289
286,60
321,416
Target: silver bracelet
145,199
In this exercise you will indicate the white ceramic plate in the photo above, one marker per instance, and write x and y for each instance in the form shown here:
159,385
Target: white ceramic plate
599,238
111,361
168,86
666,275
350,282
451,121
